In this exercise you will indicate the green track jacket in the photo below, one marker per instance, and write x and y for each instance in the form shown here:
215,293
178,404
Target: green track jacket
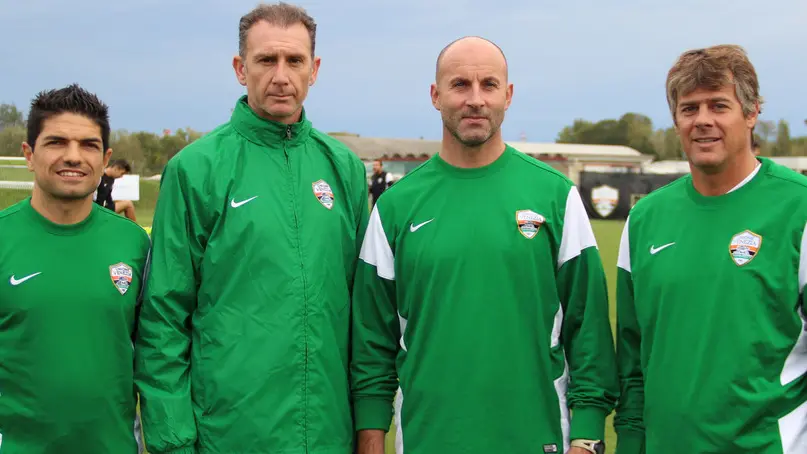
243,334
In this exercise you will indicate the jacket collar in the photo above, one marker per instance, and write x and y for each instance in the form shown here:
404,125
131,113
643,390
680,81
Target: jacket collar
265,132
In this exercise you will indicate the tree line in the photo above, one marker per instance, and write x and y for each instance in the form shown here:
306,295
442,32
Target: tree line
148,152
636,131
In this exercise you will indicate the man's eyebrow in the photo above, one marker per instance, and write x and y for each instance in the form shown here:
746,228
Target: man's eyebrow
715,99
54,137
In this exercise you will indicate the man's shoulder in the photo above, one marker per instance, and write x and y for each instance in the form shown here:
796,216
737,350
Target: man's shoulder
124,228
792,182
542,171
208,145
411,182
335,147
661,196
8,214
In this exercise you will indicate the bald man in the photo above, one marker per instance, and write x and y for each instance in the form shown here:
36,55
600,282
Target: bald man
480,315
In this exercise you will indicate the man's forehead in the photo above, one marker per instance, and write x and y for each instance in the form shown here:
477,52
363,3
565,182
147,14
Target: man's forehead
700,94
71,126
264,37
473,57
473,71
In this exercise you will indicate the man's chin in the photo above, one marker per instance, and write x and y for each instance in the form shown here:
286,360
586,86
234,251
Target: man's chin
473,140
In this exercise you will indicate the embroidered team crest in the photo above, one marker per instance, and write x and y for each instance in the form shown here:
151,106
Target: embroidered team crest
529,222
744,247
322,191
121,275
604,198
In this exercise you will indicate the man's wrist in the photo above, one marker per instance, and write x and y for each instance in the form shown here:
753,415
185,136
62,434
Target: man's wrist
370,441
593,446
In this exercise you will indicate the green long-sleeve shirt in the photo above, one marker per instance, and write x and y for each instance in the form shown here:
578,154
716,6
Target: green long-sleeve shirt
480,298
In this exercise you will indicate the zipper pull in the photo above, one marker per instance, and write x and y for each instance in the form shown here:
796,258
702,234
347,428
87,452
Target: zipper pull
288,132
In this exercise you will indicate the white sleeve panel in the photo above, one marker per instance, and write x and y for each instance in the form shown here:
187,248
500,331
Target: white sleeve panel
623,261
375,249
577,232
803,260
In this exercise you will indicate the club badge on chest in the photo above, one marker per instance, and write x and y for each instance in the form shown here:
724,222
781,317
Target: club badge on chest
323,193
121,275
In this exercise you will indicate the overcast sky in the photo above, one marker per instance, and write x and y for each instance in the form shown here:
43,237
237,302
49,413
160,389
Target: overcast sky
167,64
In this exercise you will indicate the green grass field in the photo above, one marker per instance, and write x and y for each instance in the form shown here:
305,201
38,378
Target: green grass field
606,232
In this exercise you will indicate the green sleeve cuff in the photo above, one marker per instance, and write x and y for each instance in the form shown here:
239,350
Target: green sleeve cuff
588,423
188,450
630,442
372,413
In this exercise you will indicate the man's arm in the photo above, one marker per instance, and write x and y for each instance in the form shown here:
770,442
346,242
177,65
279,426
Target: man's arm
376,333
162,349
628,421
586,330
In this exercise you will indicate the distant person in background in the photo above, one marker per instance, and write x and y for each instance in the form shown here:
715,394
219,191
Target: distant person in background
755,146
711,326
103,195
379,181
68,301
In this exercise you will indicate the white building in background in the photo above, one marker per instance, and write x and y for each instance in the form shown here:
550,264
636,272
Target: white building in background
797,163
402,155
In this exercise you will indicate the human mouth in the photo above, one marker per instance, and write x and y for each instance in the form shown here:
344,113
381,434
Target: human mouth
71,173
706,140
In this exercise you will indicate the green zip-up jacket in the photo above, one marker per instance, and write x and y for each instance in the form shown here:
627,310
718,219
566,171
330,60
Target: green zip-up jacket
243,334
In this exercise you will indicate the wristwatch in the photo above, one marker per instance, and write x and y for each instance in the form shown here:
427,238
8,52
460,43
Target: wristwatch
594,446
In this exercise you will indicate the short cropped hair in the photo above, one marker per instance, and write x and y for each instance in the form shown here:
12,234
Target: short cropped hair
71,99
121,163
713,68
280,14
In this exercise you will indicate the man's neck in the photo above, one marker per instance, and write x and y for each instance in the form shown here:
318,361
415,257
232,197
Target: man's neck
458,155
64,212
715,184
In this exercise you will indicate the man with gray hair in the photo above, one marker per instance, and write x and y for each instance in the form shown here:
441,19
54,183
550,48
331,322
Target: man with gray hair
711,331
243,335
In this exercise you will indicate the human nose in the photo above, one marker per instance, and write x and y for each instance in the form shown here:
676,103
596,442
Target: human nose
704,117
475,99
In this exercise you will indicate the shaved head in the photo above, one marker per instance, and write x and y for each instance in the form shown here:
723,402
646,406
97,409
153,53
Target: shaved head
471,43
471,91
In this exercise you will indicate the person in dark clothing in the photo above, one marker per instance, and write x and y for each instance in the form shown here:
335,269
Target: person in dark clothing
380,180
103,196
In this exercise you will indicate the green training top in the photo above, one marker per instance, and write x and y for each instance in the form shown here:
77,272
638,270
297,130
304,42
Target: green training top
711,338
482,291
68,296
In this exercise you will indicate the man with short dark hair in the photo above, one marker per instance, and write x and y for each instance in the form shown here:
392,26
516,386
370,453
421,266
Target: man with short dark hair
243,344
380,181
103,196
68,301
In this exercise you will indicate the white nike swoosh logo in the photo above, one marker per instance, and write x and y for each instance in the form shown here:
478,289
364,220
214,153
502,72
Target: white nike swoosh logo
654,250
14,281
414,228
235,204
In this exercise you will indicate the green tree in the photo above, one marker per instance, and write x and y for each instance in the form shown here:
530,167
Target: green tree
127,146
10,116
11,139
783,145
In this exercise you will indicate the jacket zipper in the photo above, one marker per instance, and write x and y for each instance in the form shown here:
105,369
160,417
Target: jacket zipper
305,295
